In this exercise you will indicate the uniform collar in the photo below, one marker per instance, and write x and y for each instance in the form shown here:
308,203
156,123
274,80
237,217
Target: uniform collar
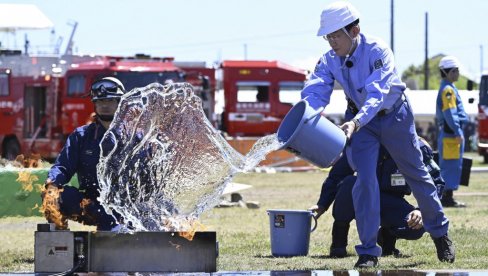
356,55
446,82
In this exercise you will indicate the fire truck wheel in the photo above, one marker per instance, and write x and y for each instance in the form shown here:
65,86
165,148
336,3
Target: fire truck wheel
485,158
11,149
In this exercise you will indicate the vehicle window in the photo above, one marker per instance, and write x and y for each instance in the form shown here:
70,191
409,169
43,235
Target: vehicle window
252,93
132,80
484,90
4,85
76,85
290,92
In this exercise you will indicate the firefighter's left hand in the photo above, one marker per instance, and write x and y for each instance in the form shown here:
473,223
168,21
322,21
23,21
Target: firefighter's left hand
415,220
317,210
348,128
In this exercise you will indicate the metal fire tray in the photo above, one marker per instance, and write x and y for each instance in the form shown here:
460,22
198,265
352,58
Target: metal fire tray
58,251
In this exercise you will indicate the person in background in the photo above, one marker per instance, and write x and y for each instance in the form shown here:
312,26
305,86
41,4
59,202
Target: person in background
450,117
399,219
80,155
365,67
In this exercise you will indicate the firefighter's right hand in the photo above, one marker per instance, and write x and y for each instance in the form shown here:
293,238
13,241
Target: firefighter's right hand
50,205
318,210
49,188
348,128
414,220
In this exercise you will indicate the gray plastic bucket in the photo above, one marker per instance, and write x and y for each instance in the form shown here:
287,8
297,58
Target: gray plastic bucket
311,136
290,232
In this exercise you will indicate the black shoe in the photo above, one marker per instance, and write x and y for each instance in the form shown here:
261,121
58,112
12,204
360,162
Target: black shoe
366,261
453,203
449,201
338,252
395,253
445,249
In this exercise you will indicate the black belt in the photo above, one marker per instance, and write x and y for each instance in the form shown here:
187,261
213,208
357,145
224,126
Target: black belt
352,107
398,103
445,127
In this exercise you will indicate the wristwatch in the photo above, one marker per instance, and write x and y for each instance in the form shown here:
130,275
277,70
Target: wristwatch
356,124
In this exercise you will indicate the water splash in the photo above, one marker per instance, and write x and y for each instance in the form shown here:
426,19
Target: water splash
163,163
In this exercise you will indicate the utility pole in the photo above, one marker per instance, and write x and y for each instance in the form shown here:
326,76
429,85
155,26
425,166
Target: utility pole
426,63
392,24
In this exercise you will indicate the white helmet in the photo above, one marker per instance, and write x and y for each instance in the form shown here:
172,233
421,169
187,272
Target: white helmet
449,62
337,16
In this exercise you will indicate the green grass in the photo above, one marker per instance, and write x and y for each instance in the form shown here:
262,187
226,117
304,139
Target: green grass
243,233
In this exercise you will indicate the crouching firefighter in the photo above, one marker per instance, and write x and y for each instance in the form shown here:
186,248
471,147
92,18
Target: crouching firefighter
80,155
399,219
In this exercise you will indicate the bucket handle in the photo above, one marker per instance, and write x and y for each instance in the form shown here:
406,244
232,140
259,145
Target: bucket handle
315,114
314,223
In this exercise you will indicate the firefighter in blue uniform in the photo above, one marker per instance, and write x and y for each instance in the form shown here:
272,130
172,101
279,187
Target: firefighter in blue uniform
80,155
365,68
399,219
450,117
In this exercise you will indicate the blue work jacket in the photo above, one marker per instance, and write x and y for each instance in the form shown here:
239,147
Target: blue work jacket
80,155
372,82
450,113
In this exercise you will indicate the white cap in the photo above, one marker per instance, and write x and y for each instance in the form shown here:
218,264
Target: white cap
337,16
449,62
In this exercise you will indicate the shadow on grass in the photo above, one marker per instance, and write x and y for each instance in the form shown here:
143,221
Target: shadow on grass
328,256
268,256
410,265
310,256
27,260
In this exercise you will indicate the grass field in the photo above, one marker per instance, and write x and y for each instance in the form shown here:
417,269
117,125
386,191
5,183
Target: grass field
243,233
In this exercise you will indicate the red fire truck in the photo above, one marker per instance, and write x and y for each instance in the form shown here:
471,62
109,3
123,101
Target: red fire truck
256,94
483,117
254,97
42,99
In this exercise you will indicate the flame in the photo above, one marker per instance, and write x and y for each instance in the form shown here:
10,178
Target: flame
86,217
51,195
84,202
26,179
50,207
32,161
193,226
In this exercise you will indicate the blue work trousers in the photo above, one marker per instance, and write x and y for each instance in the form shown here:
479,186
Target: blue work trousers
396,132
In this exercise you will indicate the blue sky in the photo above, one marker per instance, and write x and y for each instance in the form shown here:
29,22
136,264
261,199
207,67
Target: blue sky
212,30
